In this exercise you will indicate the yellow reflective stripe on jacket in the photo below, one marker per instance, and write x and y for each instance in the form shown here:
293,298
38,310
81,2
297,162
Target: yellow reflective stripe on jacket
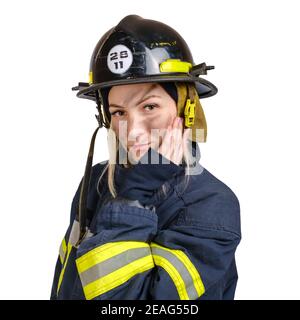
112,264
62,251
177,264
69,248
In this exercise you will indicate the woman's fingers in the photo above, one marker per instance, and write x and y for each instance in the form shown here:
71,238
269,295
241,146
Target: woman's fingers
174,141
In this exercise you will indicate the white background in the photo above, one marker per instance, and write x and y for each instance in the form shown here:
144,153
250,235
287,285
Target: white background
253,128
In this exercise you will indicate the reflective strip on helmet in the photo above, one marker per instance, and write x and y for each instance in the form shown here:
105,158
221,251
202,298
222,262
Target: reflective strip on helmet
179,267
62,251
90,77
175,65
112,264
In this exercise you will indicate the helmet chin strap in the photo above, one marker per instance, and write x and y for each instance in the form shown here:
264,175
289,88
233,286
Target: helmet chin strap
85,184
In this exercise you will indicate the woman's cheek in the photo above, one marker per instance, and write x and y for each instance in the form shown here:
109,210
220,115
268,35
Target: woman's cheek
159,121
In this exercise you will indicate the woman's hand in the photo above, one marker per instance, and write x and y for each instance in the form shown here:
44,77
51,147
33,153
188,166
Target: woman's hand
174,141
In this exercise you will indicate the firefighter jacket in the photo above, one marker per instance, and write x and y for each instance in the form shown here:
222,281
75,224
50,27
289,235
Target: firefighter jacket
148,245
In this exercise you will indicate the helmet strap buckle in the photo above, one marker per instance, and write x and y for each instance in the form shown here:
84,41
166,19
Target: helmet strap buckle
189,113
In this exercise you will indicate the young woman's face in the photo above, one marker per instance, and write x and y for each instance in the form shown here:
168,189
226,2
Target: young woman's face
141,108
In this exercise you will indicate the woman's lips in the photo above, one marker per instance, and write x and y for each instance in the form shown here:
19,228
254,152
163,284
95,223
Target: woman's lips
139,146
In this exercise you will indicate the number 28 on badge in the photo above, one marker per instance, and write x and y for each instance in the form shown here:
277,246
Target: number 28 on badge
119,59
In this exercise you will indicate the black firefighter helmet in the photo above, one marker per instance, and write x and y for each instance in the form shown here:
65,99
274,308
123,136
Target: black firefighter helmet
142,50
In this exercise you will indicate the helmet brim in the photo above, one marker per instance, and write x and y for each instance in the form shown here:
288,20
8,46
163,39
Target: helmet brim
204,88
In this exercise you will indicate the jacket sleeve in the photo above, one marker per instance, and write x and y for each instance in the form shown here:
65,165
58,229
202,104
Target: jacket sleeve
116,262
196,259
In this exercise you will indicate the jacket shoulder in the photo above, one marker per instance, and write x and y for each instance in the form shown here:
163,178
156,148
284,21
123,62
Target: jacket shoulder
210,203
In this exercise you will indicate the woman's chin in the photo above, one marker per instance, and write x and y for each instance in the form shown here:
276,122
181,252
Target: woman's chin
136,154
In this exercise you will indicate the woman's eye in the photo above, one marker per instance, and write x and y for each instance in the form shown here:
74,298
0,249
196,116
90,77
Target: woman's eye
113,113
150,105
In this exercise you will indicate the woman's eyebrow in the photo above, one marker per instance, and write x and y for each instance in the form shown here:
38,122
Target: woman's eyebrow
146,98
139,102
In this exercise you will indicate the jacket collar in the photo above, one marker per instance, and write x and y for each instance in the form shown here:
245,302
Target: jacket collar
195,167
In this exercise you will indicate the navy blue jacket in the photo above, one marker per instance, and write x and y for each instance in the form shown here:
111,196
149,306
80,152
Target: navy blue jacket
145,245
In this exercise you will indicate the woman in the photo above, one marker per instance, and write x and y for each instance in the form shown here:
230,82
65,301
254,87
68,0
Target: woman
150,222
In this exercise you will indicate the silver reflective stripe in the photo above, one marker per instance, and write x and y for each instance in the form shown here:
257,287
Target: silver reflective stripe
74,234
182,270
112,264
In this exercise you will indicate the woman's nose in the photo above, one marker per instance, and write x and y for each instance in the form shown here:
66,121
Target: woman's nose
136,126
